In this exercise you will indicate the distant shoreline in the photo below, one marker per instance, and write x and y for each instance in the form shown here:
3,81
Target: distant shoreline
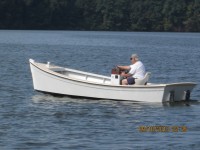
94,30
101,15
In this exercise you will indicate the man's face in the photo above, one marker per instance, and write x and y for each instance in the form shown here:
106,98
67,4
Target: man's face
132,60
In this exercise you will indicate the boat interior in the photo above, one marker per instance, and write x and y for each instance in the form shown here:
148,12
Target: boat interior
80,75
95,78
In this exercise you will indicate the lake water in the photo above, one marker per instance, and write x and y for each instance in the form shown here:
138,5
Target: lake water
32,120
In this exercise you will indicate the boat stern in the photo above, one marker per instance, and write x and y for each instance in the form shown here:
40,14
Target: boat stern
178,91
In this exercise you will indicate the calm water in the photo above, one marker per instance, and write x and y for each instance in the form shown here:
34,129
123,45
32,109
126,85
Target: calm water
31,120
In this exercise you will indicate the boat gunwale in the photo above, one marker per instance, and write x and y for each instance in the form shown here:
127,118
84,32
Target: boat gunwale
35,64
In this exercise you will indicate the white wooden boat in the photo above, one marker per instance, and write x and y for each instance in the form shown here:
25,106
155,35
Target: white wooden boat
64,81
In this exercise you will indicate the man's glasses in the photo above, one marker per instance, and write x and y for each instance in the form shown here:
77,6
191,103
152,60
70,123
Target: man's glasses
131,58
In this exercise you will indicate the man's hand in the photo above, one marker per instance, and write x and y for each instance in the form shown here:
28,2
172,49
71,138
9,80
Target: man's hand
118,66
123,74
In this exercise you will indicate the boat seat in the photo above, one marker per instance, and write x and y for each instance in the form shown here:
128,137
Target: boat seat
144,80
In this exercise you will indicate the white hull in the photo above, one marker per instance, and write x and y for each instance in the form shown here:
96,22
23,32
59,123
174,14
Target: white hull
65,81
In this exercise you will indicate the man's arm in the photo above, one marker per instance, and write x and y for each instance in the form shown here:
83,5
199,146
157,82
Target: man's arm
124,67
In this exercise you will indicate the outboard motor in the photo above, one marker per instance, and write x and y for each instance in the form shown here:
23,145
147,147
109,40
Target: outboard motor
171,96
115,76
187,95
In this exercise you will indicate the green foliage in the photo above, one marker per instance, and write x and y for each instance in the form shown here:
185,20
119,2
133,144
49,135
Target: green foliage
115,15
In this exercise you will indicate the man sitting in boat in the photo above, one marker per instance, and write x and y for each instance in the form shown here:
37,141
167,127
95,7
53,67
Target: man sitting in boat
136,71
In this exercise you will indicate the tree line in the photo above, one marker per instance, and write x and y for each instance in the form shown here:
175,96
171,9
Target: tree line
110,15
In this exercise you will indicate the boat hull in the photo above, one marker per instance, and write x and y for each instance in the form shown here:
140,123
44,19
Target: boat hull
45,80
